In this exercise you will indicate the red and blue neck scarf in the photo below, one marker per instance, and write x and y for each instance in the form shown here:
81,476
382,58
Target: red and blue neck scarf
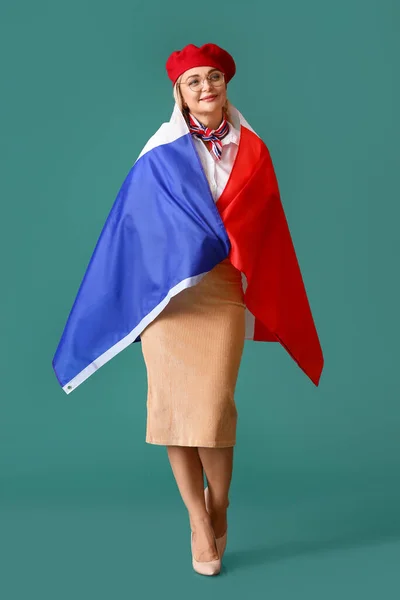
214,136
164,233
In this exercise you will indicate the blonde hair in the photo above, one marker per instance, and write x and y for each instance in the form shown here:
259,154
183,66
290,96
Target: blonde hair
177,94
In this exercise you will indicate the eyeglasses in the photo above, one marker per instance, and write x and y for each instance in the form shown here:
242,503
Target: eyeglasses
216,79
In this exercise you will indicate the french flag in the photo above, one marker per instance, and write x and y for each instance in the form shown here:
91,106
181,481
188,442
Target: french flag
164,232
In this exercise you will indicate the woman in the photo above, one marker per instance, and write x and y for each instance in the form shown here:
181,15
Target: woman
195,256
193,349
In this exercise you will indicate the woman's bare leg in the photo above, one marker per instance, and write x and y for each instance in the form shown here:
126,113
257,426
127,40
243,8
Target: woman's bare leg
188,472
218,465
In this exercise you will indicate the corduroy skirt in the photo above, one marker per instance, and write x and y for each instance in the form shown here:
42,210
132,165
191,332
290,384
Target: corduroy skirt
192,352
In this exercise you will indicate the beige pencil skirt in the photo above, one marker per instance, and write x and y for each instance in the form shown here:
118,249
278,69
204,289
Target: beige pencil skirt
192,352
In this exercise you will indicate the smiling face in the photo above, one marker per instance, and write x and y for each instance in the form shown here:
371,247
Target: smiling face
206,102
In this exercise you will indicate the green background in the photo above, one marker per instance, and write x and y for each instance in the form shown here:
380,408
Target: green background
88,509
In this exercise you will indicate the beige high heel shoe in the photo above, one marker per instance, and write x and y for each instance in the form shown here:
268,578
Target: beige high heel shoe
209,567
221,541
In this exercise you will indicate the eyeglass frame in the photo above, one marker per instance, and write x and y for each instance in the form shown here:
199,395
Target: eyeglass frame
202,79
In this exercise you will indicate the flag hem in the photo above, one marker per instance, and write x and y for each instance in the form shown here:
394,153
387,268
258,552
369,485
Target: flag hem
71,385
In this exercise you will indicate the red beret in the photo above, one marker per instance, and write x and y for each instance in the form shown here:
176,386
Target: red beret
207,55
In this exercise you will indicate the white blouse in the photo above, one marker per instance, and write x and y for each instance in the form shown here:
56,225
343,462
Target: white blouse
218,171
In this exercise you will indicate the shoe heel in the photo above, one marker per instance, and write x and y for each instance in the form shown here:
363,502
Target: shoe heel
221,544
